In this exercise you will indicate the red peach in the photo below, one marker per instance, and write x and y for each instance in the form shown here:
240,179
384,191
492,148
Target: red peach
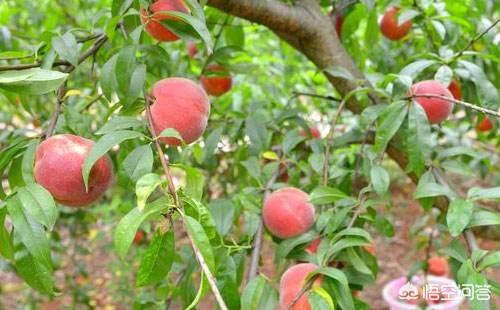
485,125
455,89
437,109
216,85
389,25
152,22
58,168
313,131
180,104
139,237
312,248
287,212
438,266
192,49
292,283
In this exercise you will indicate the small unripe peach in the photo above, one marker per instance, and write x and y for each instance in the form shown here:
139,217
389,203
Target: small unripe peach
438,266
287,212
58,168
485,125
437,109
313,130
216,85
192,49
180,104
312,248
389,25
292,283
151,19
455,89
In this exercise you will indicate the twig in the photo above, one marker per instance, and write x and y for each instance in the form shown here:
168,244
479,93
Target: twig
257,241
330,98
465,104
329,137
67,14
304,289
477,37
171,188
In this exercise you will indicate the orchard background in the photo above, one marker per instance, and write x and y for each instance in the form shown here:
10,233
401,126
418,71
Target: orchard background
397,175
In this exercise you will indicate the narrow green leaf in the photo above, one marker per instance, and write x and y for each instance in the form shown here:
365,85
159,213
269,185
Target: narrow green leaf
127,227
476,193
380,179
39,203
390,121
102,146
197,233
120,123
118,7
139,162
344,298
144,187
34,81
489,261
325,195
413,69
6,246
157,259
459,215
197,24
419,139
223,213
482,217
67,48
252,293
29,161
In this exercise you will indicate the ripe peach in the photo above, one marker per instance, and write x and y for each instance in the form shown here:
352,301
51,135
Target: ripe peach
291,284
139,237
58,168
312,132
485,125
437,109
389,25
455,89
438,266
312,248
180,104
287,212
216,85
152,16
192,49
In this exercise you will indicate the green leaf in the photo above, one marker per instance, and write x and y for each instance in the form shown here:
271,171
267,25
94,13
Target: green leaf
255,128
15,55
157,259
127,227
325,195
67,48
490,260
431,189
317,160
124,68
197,233
419,139
406,15
108,80
28,162
223,213
291,140
102,146
444,75
33,271
251,297
144,187
120,123
170,133
32,81
459,215
487,92
484,218
476,193
357,262
6,246
138,162
30,232
380,180
200,212
198,25
344,297
347,243
320,299
39,203
354,231
287,245
413,69
211,143
390,121
235,36
118,7
253,167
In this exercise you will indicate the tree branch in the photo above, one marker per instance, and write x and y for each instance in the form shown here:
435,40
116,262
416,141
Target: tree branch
477,37
171,188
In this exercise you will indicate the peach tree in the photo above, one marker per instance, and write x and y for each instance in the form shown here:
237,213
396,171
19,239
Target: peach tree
214,127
